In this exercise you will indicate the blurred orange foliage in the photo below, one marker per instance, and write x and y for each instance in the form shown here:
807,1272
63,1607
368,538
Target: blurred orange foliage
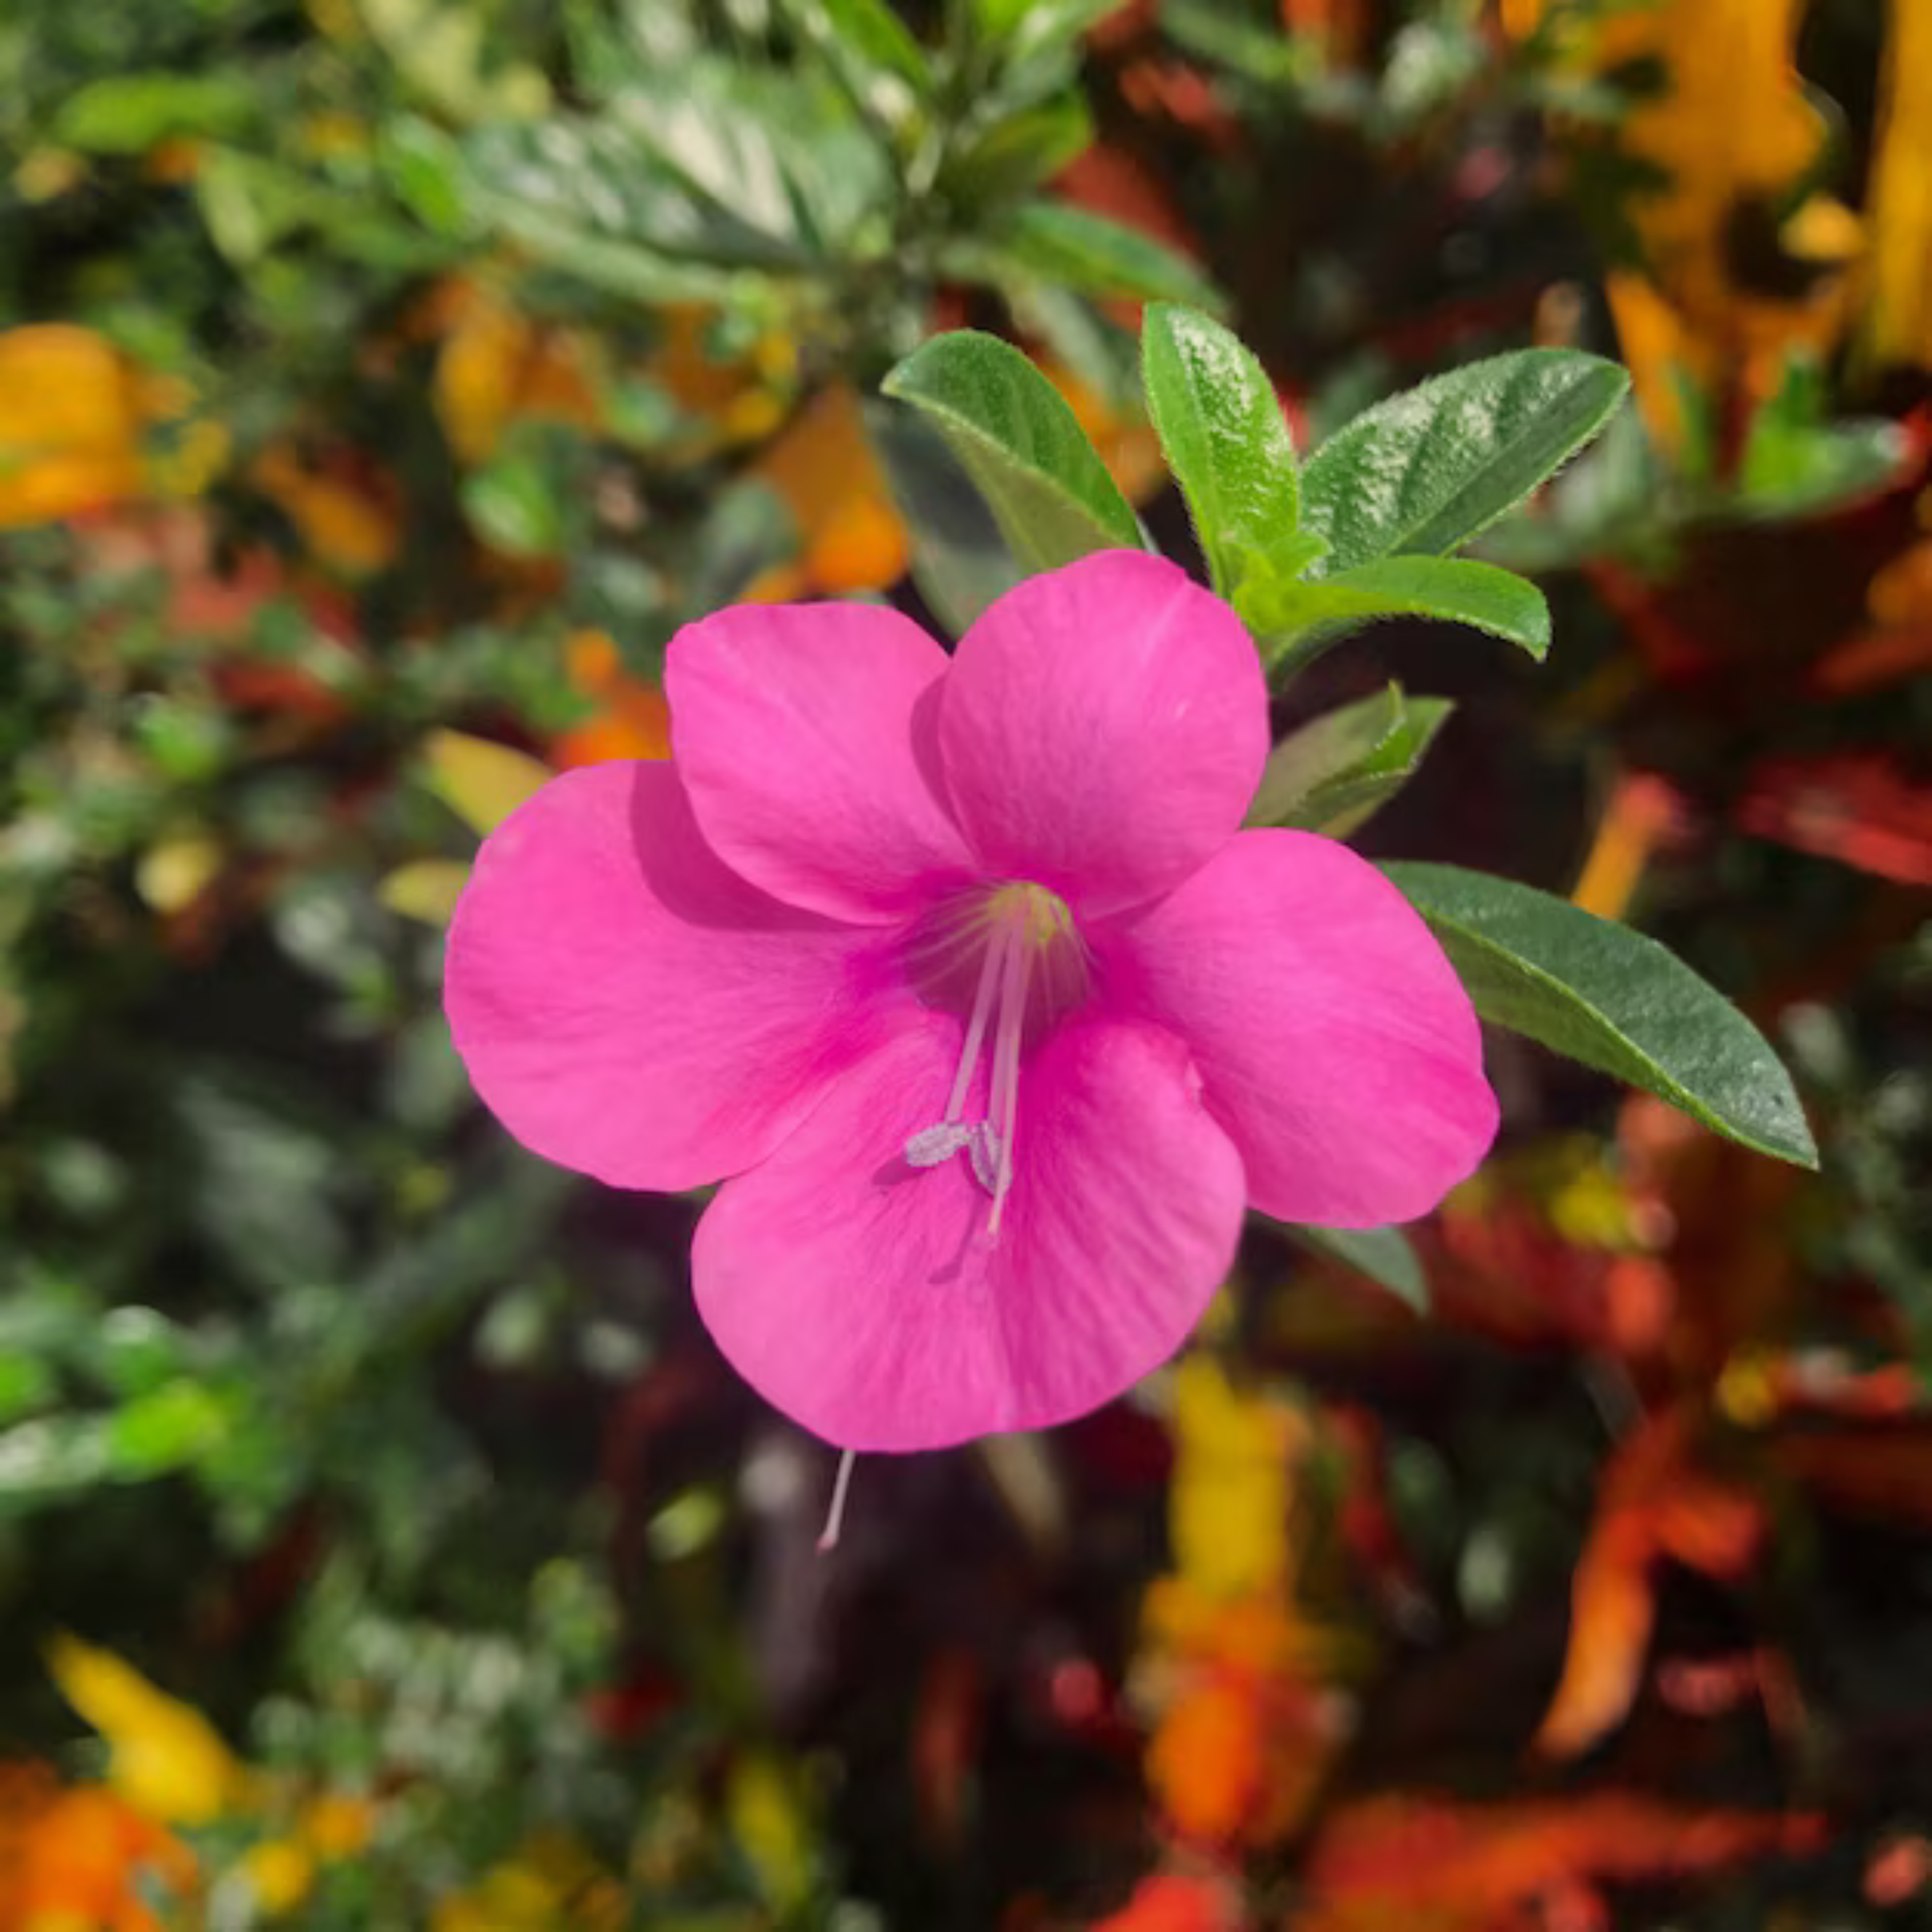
79,1859
1173,1902
1397,1864
631,719
1652,1502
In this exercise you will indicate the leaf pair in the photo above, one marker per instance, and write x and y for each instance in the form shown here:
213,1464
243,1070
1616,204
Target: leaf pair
1305,558
1363,533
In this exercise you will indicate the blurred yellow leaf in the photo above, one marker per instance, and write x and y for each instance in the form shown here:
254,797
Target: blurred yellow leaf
165,1758
770,1828
45,173
173,871
497,367
1898,319
335,1825
481,781
551,1885
1638,814
424,889
1234,1456
280,1873
69,423
1730,135
339,525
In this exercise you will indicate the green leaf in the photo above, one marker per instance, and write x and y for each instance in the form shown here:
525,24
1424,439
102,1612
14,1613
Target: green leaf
1298,620
960,562
582,192
1018,151
130,113
1797,463
1597,992
165,1428
134,1350
1029,29
26,1384
440,49
427,168
615,266
1088,252
1424,471
513,504
883,69
1224,436
1333,774
1047,489
1385,1255
866,42
1228,37
51,1455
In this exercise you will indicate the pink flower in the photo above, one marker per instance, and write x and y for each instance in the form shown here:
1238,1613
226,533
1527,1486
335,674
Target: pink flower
963,973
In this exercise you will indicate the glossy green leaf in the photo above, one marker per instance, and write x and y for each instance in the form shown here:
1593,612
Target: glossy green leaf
1424,471
1044,482
1299,620
668,191
1385,1255
1088,252
960,562
632,269
1333,773
1225,438
1598,992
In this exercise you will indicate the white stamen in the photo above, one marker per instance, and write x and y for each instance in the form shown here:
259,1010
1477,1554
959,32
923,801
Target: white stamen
1019,921
835,1517
931,1145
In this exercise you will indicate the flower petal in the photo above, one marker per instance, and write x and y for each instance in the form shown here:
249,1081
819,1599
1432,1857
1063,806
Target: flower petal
627,1007
863,1296
1335,1043
802,736
1103,729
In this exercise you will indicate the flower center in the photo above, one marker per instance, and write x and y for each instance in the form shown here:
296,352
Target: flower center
1032,968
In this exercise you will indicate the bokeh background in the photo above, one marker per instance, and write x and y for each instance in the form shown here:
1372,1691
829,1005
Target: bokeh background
383,1544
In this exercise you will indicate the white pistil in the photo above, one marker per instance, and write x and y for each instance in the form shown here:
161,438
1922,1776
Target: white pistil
1006,934
835,1517
1003,1100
